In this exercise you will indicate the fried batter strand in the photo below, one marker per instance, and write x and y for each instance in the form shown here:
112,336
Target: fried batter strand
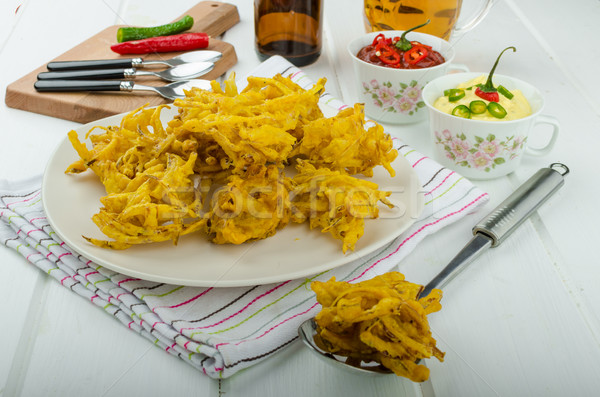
381,320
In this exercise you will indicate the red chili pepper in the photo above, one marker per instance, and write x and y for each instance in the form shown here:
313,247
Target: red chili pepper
178,42
415,54
487,91
387,54
380,36
417,44
488,96
391,58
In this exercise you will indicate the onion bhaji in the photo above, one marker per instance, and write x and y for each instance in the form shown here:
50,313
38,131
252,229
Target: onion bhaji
381,319
335,202
251,206
218,166
342,143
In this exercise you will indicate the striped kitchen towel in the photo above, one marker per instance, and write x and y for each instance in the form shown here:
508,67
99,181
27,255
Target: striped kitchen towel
221,330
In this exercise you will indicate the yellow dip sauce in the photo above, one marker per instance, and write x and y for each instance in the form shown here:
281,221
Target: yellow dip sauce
516,108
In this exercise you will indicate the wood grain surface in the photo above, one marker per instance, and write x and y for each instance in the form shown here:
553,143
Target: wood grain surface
213,18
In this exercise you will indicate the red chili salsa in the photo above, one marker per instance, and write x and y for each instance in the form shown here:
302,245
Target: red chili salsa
400,54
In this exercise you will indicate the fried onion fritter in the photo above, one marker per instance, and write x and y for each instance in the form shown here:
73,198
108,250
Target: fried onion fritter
218,166
251,206
381,319
158,205
343,143
260,125
335,202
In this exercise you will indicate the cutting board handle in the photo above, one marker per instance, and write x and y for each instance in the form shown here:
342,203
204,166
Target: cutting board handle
212,17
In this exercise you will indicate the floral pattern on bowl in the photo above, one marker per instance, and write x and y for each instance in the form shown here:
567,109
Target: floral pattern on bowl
406,99
484,154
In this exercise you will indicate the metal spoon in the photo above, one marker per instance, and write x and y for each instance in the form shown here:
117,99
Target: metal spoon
188,57
169,91
489,232
186,71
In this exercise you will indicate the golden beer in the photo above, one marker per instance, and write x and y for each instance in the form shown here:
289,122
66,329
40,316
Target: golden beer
405,14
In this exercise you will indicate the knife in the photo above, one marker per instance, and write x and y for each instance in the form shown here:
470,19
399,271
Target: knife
188,57
186,71
492,230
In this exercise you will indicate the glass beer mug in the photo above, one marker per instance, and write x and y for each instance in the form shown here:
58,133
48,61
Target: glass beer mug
290,28
405,14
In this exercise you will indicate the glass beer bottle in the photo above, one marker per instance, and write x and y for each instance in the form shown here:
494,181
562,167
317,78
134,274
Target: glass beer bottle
290,28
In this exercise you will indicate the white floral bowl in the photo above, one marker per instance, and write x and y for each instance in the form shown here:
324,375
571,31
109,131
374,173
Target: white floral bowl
394,95
482,149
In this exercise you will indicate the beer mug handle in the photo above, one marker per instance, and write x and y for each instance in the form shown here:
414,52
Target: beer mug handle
476,19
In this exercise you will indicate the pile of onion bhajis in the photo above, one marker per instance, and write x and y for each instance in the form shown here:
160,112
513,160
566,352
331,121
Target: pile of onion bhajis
381,319
218,166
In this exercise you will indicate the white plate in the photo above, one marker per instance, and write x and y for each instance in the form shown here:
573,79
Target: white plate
294,252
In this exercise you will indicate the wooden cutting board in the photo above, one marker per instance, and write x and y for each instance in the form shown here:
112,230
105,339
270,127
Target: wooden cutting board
213,18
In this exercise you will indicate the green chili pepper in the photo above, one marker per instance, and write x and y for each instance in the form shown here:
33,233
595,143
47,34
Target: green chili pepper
487,91
496,110
134,33
477,107
461,111
404,44
504,91
456,94
451,91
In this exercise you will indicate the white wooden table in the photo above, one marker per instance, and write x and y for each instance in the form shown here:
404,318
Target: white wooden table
524,320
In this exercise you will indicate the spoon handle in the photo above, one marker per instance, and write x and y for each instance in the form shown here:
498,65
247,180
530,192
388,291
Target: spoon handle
95,64
503,220
78,85
517,207
91,74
